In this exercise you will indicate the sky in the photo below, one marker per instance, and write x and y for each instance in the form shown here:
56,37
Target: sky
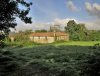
46,13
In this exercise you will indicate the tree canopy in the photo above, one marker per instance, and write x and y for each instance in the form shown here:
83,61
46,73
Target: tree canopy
76,31
10,11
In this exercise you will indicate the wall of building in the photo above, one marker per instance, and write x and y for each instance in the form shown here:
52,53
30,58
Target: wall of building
42,39
49,39
65,38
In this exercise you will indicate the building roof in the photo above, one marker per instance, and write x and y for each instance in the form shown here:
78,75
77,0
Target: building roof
49,34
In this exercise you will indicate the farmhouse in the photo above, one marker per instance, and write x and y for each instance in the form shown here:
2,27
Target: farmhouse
49,37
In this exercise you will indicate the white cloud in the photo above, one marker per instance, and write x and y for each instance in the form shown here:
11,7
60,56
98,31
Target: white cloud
72,6
96,6
62,22
93,25
88,6
94,12
34,26
93,9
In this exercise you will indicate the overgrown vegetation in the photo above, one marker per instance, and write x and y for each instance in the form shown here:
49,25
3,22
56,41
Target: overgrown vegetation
58,60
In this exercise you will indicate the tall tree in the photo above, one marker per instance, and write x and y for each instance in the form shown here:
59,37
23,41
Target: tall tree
76,31
10,11
71,28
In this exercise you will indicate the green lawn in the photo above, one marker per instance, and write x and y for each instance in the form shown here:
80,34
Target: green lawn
67,43
79,43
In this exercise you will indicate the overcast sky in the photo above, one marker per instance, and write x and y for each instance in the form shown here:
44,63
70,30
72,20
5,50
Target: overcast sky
45,13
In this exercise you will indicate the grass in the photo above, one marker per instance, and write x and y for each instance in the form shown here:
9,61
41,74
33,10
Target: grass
56,56
59,43
78,43
40,52
22,44
46,52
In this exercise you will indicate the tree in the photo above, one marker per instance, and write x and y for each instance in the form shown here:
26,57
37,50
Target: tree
43,30
10,11
21,36
71,28
94,35
76,31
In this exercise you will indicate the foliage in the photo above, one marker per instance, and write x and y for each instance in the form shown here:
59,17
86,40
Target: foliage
94,35
43,30
58,60
78,32
21,36
10,10
8,63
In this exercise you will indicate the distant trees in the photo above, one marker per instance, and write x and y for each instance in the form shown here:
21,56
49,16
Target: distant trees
78,32
42,30
94,35
21,36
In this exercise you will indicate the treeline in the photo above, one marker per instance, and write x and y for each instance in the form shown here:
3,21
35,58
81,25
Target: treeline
78,32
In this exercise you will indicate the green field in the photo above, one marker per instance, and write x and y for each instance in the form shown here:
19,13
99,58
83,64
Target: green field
67,43
79,43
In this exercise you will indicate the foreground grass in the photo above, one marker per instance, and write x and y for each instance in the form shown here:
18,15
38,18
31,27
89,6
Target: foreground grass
43,51
51,60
